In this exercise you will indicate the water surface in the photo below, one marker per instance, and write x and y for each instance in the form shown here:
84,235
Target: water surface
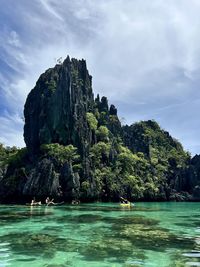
100,235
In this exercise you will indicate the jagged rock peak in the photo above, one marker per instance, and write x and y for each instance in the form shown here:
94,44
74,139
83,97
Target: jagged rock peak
55,109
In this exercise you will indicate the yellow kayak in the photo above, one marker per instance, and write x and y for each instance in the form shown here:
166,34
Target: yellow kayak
125,205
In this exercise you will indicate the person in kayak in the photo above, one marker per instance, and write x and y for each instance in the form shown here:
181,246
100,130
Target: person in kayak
35,203
75,202
124,201
49,202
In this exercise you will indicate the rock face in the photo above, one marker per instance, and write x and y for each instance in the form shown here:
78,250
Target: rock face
55,110
193,177
43,180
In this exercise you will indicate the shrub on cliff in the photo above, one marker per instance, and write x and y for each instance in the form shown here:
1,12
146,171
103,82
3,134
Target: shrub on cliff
61,153
92,121
103,133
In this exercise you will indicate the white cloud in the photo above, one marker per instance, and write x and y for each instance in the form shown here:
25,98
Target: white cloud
13,39
11,130
47,5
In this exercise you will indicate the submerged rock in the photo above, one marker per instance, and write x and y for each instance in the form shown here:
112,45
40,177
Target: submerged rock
38,244
154,238
116,250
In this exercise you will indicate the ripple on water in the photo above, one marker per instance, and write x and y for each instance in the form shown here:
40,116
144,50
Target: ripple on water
190,263
4,254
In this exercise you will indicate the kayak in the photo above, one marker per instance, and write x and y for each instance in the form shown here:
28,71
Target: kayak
56,204
125,205
35,205
45,205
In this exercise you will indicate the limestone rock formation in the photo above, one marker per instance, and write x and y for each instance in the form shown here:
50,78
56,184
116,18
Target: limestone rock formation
78,149
55,110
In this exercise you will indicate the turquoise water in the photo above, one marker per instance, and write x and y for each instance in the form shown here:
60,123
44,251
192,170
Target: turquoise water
101,235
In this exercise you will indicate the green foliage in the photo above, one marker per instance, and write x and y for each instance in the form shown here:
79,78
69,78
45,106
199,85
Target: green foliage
164,155
103,118
18,158
114,125
104,181
102,133
10,154
77,81
61,153
130,174
92,121
85,187
123,176
127,159
77,167
100,152
156,143
96,113
113,119
51,85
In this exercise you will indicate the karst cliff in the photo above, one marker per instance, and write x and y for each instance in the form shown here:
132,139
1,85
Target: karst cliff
77,149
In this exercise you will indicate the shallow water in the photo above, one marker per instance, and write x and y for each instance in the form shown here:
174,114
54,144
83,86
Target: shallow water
101,235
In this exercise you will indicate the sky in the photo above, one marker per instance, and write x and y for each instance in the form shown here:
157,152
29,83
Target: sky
143,55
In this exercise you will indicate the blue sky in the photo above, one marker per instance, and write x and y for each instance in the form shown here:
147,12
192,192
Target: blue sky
143,55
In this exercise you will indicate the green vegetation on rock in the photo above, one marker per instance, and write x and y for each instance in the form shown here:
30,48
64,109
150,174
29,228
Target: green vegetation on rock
92,121
61,153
